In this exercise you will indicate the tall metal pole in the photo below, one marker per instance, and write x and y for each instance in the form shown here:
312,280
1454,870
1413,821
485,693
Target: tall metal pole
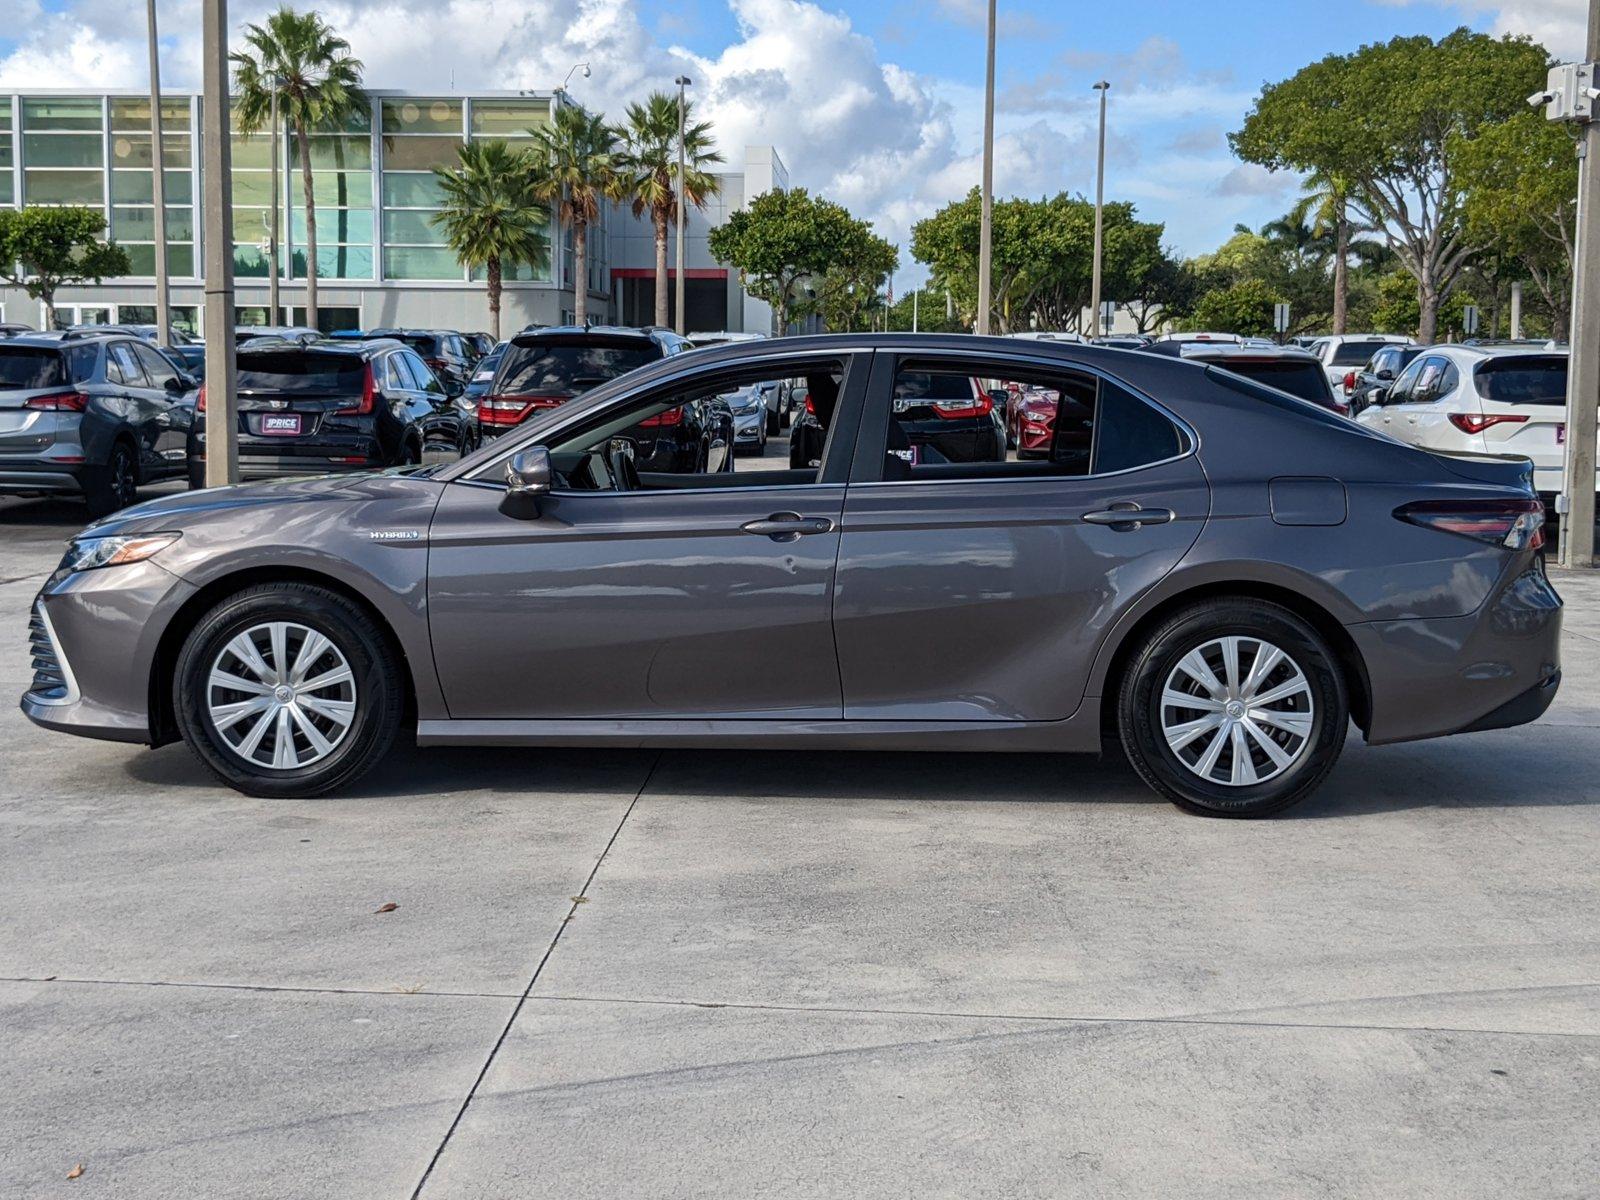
1583,377
158,184
1099,213
216,166
272,219
916,294
986,219
1516,310
683,82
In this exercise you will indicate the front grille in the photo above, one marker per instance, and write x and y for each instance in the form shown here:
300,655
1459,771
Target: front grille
49,674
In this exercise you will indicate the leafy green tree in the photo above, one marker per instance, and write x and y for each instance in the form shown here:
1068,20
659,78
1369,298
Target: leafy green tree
1245,307
778,241
924,307
45,249
1380,119
1398,310
318,83
576,163
1167,291
650,166
1324,206
491,215
852,285
1518,188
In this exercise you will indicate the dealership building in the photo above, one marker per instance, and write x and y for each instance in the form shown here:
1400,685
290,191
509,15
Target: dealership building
381,260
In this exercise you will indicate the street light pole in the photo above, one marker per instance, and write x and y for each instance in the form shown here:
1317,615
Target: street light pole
1099,213
986,219
158,184
277,205
216,165
683,81
1583,379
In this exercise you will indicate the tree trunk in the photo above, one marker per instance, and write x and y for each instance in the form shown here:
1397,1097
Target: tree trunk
494,298
49,299
1428,321
580,271
662,317
1341,271
304,145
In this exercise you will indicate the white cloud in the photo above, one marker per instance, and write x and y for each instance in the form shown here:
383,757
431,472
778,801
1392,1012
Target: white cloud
1558,25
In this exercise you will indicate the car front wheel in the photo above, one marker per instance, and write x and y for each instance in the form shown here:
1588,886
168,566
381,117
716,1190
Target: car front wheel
1234,707
288,689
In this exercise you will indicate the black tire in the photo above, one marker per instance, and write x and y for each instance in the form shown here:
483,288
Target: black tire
774,424
379,687
115,485
1139,707
197,476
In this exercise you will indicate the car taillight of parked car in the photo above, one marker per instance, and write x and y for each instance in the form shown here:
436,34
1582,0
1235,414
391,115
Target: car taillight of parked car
369,397
1349,382
672,416
500,409
1514,524
1478,422
58,402
954,410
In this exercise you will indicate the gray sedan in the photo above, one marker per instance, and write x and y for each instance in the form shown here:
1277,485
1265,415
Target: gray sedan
1215,574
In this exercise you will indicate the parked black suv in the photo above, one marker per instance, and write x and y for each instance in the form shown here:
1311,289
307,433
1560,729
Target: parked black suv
444,350
544,368
320,407
92,414
1372,381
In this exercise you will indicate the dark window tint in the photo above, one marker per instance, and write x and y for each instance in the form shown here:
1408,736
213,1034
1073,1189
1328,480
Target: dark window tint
567,368
427,381
1132,433
1301,377
301,372
23,368
1524,379
423,343
1353,354
82,361
156,368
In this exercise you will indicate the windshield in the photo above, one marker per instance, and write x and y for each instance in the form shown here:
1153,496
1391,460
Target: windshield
567,367
23,368
1524,380
301,372
1355,354
1302,378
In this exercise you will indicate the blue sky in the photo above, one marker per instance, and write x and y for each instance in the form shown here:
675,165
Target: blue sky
876,104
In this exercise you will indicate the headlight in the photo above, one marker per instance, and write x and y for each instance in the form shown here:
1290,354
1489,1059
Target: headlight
85,554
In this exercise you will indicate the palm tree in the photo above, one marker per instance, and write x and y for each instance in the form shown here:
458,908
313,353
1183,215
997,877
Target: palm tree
576,164
650,164
491,215
318,84
1324,204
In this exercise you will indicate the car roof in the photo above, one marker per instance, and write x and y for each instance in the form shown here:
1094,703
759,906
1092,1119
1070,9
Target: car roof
1480,352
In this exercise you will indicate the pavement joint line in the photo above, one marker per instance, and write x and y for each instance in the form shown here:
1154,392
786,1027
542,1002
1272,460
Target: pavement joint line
522,999
1069,1019
291,988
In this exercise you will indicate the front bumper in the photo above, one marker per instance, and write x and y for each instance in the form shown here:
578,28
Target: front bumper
1497,667
104,630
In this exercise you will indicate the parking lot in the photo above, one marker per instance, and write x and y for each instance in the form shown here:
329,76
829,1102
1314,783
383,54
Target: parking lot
821,974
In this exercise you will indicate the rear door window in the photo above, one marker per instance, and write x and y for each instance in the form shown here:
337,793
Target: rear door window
122,367
1523,379
156,368
301,372
24,368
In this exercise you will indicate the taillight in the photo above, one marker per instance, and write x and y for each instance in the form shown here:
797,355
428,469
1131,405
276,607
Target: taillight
672,416
1349,382
1341,407
369,397
58,402
1514,524
501,409
811,409
200,400
982,406
1476,423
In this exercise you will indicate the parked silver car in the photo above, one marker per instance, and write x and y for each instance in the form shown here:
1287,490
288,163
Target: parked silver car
1155,578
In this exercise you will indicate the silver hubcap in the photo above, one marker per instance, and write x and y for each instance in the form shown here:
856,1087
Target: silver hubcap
1237,711
281,696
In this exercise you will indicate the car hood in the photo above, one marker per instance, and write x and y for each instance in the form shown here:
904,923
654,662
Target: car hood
184,508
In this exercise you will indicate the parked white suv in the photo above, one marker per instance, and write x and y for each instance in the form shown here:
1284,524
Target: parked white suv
1344,353
1482,400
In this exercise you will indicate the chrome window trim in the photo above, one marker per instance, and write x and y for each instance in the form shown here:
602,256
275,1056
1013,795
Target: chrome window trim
73,694
689,369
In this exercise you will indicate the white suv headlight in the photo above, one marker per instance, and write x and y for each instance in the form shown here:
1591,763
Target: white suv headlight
86,554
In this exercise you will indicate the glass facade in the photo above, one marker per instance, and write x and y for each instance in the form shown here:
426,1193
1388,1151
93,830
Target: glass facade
374,191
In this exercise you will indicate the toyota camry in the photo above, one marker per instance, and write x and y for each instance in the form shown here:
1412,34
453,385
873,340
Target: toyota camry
1217,576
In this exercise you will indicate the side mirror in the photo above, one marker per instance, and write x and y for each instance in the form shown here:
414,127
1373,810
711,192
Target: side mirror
529,476
1385,373
998,397
453,387
178,384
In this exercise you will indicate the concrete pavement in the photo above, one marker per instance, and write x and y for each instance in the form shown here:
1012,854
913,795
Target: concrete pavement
630,974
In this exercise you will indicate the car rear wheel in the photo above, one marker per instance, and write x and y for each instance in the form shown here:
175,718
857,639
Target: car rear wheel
1234,707
288,689
115,485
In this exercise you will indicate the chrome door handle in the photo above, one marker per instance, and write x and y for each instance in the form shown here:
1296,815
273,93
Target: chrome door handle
787,526
1123,517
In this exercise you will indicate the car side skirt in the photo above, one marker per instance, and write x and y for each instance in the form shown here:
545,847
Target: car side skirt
1078,734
